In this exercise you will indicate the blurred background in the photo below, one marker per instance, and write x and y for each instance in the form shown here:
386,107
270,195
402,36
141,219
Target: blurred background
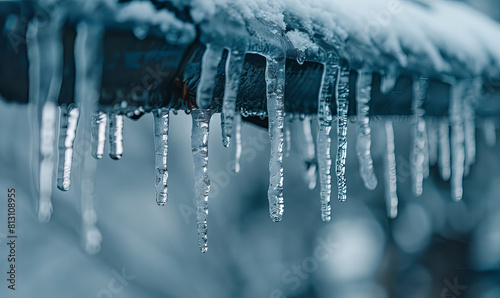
434,248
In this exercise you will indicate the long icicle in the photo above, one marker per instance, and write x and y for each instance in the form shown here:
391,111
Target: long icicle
469,125
391,187
456,119
88,66
418,157
275,88
115,136
444,149
364,140
67,134
302,133
199,146
47,152
342,108
209,64
237,146
325,121
161,121
234,66
98,138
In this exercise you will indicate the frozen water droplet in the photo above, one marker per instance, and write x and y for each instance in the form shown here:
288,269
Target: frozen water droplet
161,120
444,149
67,133
342,108
389,80
141,31
325,120
47,152
304,142
234,66
490,134
199,146
391,187
98,138
418,153
275,88
456,118
237,145
209,64
364,87
115,136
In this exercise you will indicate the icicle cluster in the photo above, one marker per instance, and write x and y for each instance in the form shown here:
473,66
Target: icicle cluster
431,137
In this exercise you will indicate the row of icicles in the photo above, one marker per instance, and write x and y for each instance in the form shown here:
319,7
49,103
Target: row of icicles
431,137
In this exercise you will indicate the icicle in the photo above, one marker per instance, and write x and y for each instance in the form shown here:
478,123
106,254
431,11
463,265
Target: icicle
432,140
161,119
288,135
237,145
91,235
391,195
209,64
305,147
199,146
88,66
47,144
418,157
364,87
275,88
115,136
342,108
325,120
426,169
469,126
67,133
444,149
490,134
98,138
389,80
234,66
456,112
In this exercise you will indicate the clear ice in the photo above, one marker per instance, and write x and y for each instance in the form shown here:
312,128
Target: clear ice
418,153
364,141
199,146
98,138
209,64
342,108
325,121
275,88
457,119
391,187
88,66
161,120
237,146
470,125
234,66
115,136
67,133
47,152
444,149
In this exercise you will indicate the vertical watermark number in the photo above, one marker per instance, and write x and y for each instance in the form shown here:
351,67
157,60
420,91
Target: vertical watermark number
11,238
